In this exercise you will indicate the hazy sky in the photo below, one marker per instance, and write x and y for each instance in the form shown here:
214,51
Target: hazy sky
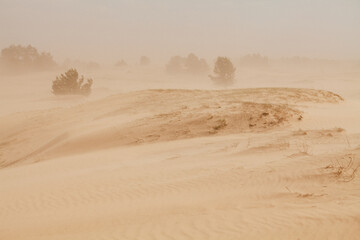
108,30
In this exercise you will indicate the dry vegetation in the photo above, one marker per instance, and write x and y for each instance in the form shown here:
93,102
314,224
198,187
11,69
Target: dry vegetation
224,72
69,83
344,168
17,59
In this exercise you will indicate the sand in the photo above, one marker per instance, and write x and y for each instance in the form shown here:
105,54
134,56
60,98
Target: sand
244,163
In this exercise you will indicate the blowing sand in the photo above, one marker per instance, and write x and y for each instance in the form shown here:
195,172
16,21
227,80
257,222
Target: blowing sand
257,163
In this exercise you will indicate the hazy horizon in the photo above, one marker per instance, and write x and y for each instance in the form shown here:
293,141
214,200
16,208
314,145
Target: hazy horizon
107,31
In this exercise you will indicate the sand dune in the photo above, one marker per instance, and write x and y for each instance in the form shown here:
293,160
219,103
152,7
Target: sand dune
182,164
150,116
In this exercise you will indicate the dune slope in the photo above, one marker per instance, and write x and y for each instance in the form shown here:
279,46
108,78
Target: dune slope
181,164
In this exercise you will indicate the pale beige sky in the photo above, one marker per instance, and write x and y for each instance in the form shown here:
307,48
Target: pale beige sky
106,31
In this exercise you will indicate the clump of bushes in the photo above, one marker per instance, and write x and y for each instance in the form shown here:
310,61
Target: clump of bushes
224,72
20,59
70,84
191,64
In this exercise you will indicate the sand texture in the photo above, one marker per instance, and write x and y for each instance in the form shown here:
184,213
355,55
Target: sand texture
260,163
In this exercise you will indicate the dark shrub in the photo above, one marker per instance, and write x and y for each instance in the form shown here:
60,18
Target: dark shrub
224,72
70,84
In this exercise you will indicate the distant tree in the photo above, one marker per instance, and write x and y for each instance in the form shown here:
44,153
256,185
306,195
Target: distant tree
224,72
120,63
175,65
191,65
70,84
144,61
194,65
18,58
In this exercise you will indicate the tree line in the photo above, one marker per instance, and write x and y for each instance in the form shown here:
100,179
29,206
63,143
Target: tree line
20,59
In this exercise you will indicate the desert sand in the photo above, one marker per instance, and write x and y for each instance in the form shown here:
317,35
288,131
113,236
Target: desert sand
155,158
179,120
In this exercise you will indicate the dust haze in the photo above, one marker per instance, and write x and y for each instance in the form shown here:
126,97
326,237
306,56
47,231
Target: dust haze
179,119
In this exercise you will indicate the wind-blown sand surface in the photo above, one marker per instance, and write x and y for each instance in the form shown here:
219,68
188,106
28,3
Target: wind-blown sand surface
261,163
